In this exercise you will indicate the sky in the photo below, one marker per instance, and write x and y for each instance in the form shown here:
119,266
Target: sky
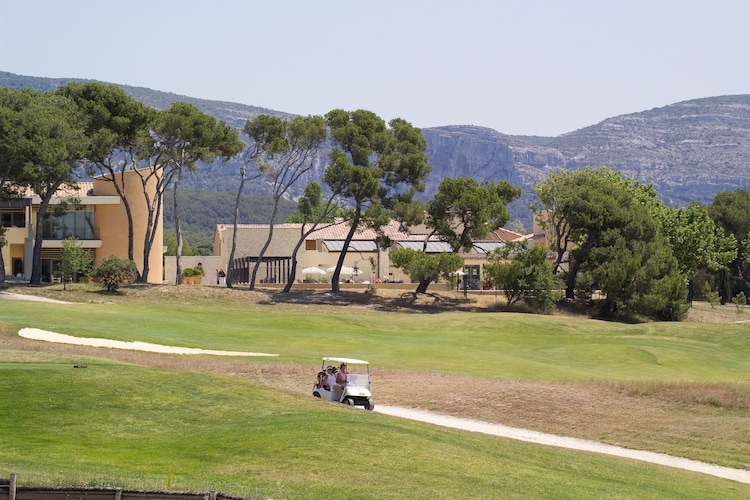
521,67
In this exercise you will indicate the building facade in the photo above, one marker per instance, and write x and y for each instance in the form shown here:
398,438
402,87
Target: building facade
94,214
365,260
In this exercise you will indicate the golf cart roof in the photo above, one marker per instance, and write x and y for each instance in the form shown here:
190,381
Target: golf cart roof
348,361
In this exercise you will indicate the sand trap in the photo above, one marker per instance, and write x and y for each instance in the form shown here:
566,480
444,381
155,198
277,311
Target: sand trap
37,334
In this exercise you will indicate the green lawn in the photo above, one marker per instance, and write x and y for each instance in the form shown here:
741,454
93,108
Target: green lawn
118,425
503,345
114,424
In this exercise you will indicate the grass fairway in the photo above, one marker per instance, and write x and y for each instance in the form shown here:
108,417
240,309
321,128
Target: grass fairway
260,434
499,345
113,424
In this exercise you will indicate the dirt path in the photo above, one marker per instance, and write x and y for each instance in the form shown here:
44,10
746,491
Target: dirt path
466,424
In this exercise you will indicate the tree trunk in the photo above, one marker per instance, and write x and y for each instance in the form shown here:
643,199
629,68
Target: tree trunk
177,230
293,272
230,263
266,245
36,259
110,174
2,261
154,207
129,215
335,288
570,280
423,284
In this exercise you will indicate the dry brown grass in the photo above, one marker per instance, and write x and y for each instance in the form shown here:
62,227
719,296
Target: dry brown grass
709,422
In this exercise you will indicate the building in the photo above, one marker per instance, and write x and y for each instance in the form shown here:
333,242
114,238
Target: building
93,213
365,260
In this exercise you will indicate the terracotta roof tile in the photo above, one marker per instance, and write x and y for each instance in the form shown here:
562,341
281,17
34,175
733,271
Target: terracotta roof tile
338,231
81,190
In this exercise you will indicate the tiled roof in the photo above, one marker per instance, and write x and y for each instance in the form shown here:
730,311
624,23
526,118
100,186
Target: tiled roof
338,231
502,234
81,190
223,227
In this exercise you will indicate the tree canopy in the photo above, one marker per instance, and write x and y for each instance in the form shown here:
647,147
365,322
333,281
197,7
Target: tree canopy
185,136
730,211
523,274
44,139
426,268
464,209
609,239
117,127
295,148
376,169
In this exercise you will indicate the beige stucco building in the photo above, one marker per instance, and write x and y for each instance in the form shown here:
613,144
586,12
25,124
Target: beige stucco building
321,249
94,213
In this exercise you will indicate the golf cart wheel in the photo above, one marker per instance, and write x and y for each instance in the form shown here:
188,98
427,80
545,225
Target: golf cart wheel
369,405
316,394
349,401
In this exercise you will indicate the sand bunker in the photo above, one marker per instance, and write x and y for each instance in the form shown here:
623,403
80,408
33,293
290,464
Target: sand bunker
37,334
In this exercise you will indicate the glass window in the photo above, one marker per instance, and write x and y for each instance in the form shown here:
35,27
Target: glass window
471,275
14,219
78,224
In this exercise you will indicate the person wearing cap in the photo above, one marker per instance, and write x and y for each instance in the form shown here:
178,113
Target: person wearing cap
330,377
322,382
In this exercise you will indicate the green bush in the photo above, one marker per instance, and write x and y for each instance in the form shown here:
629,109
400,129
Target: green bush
113,270
194,271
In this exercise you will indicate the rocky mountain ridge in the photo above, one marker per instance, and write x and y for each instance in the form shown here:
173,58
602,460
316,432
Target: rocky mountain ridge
690,150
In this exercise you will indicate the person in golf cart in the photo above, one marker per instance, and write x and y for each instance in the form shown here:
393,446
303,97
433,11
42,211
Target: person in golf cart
352,389
341,375
331,378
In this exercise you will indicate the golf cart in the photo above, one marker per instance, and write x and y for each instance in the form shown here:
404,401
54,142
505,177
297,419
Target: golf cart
356,390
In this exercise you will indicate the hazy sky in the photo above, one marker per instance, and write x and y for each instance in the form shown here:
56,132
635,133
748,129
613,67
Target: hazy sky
518,66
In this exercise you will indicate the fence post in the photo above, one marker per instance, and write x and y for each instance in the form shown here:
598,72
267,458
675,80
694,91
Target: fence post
212,495
12,488
118,493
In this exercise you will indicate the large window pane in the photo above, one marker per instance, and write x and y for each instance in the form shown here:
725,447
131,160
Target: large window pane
78,224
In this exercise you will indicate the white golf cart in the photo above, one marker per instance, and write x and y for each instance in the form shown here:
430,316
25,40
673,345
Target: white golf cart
356,390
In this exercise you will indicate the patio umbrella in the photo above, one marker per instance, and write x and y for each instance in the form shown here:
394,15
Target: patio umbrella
313,270
346,270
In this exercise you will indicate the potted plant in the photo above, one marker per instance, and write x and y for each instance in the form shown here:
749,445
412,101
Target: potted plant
193,275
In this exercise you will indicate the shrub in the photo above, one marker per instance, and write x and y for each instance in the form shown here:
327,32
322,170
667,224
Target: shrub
194,271
113,270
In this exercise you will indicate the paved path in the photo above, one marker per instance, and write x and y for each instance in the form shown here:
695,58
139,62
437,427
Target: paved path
742,476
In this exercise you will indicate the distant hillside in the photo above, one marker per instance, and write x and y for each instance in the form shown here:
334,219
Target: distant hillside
201,211
689,150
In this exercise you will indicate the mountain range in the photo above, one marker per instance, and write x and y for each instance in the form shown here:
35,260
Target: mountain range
689,150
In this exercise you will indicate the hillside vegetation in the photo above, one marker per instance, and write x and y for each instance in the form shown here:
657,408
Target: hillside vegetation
689,150
201,211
